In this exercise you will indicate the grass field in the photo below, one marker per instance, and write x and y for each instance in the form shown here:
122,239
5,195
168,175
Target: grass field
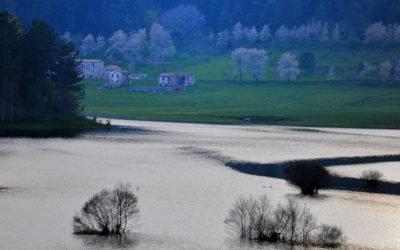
219,98
301,103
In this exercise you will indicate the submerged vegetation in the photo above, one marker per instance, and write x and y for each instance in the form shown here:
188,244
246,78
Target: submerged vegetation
258,219
109,212
308,176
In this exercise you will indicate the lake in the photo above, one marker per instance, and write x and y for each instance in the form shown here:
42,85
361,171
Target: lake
185,190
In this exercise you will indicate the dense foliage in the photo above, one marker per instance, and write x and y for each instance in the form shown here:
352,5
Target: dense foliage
39,73
106,16
308,176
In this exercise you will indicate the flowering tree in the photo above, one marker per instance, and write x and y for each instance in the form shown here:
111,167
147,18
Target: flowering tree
385,70
117,46
100,43
237,32
265,33
161,45
288,67
324,34
375,32
282,34
240,58
134,48
223,39
87,45
336,33
368,69
252,35
257,62
183,21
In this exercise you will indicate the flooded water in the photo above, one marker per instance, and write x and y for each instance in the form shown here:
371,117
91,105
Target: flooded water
184,190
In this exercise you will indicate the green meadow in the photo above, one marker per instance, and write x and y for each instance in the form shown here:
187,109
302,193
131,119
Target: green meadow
281,103
218,97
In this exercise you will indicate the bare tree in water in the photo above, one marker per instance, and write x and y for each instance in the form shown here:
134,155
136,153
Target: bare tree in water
109,212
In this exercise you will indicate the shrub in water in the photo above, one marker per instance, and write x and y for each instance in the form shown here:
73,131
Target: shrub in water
109,212
308,176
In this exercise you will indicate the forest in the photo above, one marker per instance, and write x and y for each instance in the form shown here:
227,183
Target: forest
39,73
103,17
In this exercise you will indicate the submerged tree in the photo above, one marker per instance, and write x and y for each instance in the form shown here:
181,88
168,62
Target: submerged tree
308,176
109,212
257,219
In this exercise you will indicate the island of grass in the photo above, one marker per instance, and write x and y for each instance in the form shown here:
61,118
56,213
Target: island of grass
50,126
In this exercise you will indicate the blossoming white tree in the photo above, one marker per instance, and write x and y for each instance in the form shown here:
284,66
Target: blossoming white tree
161,45
288,67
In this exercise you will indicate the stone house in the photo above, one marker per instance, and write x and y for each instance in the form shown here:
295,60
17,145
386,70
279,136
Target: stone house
108,69
177,81
118,78
91,69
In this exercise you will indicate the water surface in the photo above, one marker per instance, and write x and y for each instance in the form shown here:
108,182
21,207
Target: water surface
185,191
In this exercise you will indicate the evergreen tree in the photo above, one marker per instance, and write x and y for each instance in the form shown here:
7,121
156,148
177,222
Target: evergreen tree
10,35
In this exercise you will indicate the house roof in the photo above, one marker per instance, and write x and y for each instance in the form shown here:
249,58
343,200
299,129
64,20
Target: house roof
88,60
120,71
180,74
115,67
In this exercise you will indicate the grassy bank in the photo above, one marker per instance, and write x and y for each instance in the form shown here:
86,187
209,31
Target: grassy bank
369,105
49,127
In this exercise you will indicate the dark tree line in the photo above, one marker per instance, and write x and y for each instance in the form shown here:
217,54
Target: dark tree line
38,71
105,16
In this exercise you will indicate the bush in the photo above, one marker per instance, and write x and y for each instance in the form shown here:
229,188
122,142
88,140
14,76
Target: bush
308,176
330,236
109,212
254,219
371,177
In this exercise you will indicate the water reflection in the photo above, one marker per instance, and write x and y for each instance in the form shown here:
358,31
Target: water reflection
129,241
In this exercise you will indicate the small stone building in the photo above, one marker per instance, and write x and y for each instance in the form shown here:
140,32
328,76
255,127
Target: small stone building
108,69
117,78
91,69
177,81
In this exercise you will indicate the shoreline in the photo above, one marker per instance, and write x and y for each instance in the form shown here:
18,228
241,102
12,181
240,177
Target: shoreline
50,127
244,123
